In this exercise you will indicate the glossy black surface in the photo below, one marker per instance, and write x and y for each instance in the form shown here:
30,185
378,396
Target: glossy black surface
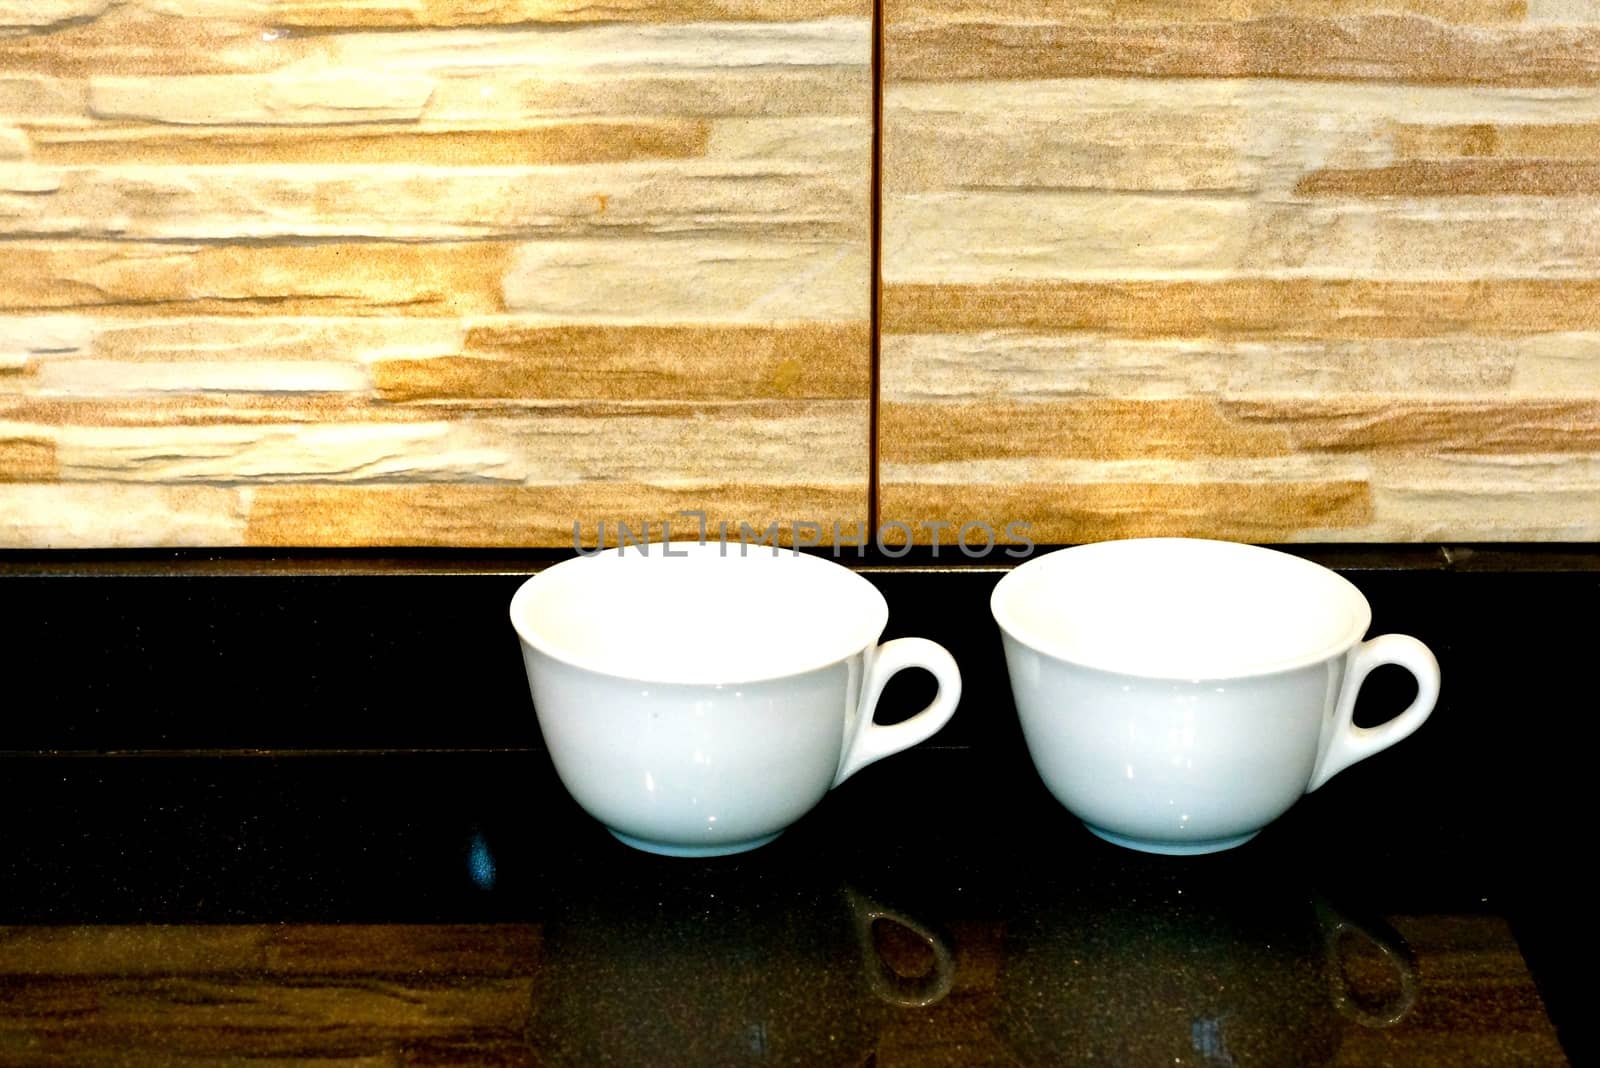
1467,832
1064,949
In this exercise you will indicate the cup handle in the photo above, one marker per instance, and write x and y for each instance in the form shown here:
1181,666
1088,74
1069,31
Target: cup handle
1394,950
906,993
873,742
1348,743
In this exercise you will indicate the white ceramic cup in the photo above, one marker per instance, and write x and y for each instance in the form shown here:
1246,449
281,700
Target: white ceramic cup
1177,695
698,698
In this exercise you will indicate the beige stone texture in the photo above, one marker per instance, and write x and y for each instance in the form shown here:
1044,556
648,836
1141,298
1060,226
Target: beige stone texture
112,515
557,514
35,15
432,272
1398,48
409,14
1262,269
465,272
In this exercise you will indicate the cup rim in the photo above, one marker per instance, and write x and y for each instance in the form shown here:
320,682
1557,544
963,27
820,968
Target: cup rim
847,641
1360,615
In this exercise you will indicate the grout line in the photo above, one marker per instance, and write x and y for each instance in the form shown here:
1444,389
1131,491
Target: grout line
875,260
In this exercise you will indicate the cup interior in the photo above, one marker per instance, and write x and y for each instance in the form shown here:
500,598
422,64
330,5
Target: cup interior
1180,608
717,614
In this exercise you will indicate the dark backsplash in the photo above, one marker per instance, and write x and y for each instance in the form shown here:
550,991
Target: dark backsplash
179,651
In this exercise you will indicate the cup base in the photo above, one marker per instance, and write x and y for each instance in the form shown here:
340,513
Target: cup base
668,849
1169,848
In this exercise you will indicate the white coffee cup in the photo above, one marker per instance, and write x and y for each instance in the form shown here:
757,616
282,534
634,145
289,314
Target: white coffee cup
1177,694
698,698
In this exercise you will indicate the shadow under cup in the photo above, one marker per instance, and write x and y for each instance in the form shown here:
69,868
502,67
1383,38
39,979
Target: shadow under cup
697,699
1178,695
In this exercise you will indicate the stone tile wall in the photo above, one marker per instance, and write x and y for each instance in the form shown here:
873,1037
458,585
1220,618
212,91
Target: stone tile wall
466,272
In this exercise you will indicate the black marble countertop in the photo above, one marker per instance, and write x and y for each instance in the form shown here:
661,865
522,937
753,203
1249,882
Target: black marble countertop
227,840
457,908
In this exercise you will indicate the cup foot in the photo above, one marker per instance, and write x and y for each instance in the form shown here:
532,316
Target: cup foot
1169,848
668,849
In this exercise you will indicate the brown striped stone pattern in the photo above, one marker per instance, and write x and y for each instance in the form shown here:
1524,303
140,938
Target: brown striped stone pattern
1264,269
465,272
457,272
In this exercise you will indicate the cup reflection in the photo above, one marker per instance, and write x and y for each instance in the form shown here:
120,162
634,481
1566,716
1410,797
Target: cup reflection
1182,970
682,972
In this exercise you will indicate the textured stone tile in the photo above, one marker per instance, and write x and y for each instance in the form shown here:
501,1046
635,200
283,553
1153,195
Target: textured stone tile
1094,429
90,515
1024,144
41,98
1563,11
770,444
1137,11
247,203
277,438
545,143
1546,141
75,357
1518,497
1390,48
1487,236
143,280
514,360
1300,119
491,516
1261,269
971,366
1251,307
23,182
407,14
1209,137
705,279
1272,467
1065,513
36,335
1366,424
34,15
430,271
253,454
183,378
27,458
1557,365
610,49
1458,178
150,41
238,341
511,94
1027,212
247,99
983,236
153,412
